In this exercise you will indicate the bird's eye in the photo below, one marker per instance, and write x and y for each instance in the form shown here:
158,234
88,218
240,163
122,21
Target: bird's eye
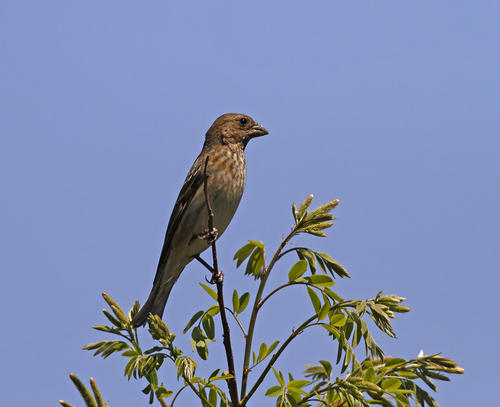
243,121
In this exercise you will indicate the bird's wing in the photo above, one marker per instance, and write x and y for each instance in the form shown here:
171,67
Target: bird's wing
193,182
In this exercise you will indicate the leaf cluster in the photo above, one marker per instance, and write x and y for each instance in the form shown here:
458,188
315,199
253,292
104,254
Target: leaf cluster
343,379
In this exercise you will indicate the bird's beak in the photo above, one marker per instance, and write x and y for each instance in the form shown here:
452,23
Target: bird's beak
258,131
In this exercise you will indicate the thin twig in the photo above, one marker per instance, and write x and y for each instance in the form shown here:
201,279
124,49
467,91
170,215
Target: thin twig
237,321
255,311
208,266
291,250
284,286
199,394
177,394
276,355
162,402
231,383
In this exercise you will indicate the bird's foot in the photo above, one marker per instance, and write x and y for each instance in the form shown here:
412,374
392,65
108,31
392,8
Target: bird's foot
210,235
217,277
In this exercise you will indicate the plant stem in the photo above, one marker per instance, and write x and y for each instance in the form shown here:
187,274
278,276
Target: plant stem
216,275
177,394
275,357
237,321
208,266
284,286
199,394
162,402
291,250
255,311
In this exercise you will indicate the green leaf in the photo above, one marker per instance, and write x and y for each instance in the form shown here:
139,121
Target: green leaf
97,393
226,377
117,310
130,353
209,290
316,232
272,347
321,280
134,310
323,312
274,391
338,320
244,299
327,366
213,374
295,393
197,334
236,301
202,349
255,263
192,321
257,244
304,206
84,392
332,265
331,329
408,374
212,397
314,299
213,310
391,384
294,212
437,376
394,361
325,208
309,256
298,383
243,253
209,326
370,375
105,328
332,295
163,393
279,376
297,270
262,351
112,319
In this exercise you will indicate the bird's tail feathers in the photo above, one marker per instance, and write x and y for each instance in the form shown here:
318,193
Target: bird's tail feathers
155,304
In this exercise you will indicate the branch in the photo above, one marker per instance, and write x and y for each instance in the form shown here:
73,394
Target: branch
275,357
177,394
199,394
237,321
217,277
289,284
255,310
208,266
291,250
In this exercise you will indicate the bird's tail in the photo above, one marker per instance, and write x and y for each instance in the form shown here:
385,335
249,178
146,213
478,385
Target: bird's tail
155,303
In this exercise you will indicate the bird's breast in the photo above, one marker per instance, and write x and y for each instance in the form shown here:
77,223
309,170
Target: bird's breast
226,183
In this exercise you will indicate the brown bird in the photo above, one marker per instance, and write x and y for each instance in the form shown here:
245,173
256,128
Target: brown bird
225,143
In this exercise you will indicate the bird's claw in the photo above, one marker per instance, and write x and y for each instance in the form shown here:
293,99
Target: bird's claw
217,277
210,235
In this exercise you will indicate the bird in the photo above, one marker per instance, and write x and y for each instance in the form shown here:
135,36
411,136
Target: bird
224,146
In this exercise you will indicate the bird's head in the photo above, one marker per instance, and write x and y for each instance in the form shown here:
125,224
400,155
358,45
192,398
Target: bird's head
234,129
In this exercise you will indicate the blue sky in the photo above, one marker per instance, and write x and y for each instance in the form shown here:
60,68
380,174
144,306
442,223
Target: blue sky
392,107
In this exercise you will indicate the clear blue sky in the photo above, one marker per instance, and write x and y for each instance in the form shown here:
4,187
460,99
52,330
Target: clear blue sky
392,107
